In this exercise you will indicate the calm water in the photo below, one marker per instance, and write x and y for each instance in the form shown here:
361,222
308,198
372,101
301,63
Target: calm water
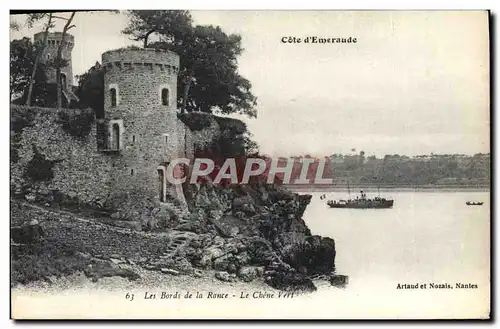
426,237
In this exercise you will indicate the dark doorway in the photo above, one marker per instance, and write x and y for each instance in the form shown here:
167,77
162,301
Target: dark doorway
116,137
63,81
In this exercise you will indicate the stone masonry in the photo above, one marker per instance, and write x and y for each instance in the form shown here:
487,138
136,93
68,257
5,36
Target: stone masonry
143,131
50,54
129,148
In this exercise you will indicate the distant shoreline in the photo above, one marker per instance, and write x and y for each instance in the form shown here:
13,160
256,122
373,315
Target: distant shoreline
355,188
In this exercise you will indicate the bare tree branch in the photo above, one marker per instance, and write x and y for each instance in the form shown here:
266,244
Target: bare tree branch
64,18
67,26
38,56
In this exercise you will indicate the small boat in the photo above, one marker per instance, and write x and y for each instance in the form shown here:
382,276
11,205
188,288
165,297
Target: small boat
362,203
469,203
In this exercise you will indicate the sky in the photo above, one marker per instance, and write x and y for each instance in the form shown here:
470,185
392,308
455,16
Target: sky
414,83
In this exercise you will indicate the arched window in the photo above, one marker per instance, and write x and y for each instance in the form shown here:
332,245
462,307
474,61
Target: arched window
112,93
165,97
116,137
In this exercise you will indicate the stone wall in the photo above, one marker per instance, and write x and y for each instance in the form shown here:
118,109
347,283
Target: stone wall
79,171
203,130
186,140
209,132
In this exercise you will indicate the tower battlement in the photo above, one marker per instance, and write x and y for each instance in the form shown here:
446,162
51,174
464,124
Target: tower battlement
54,39
141,59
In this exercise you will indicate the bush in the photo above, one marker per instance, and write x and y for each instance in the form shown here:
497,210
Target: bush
39,168
21,118
196,120
77,124
44,261
15,143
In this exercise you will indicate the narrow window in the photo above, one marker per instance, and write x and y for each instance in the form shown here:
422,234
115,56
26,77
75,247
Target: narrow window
165,146
116,137
165,97
48,56
131,172
133,138
112,93
161,185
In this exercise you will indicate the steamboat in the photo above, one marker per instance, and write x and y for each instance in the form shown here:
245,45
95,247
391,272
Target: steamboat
362,202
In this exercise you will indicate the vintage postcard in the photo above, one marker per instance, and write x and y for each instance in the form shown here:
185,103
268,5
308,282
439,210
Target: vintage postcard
175,164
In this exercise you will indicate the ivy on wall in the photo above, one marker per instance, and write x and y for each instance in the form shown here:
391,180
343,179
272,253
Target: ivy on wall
196,121
78,123
21,118
39,169
15,143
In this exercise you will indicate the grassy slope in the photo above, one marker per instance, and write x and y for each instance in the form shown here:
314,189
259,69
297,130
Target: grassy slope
66,241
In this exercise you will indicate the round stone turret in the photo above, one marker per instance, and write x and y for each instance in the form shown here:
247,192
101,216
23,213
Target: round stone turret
50,54
140,111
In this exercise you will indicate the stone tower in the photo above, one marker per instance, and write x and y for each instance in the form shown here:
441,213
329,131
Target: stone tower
140,120
50,54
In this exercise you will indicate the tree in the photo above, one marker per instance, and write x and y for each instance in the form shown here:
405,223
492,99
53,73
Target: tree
22,60
15,26
208,77
22,68
32,18
173,24
59,62
91,90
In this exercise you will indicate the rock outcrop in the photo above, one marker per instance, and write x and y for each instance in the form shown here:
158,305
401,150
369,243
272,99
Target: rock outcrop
240,232
101,269
257,230
27,233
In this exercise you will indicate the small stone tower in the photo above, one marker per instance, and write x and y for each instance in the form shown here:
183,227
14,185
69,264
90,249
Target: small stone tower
50,54
140,124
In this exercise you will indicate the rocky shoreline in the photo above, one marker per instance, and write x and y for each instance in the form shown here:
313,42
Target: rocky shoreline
240,234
